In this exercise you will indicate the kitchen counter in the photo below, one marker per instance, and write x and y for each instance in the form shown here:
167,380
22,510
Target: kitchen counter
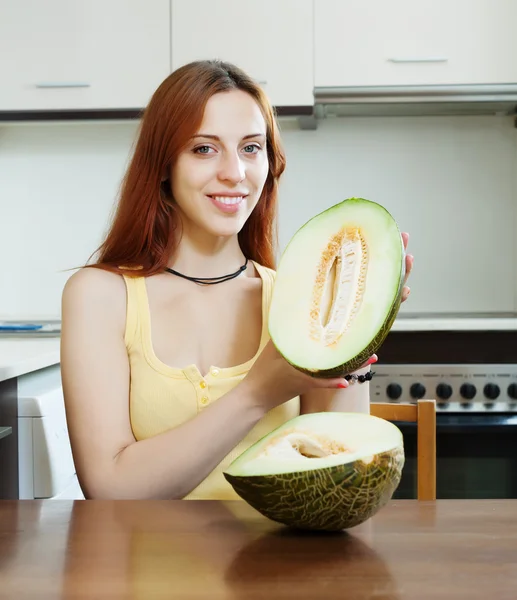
25,354
20,356
461,549
454,323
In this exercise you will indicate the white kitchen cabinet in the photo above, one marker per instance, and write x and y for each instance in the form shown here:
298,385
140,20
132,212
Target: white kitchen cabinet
407,42
271,40
82,54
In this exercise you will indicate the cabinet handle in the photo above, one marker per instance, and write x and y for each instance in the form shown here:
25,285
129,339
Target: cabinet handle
64,84
429,59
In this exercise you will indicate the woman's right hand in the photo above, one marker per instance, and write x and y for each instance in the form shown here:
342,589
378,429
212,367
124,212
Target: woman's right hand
273,381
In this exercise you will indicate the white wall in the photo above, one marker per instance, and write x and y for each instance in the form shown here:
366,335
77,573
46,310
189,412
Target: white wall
450,182
58,185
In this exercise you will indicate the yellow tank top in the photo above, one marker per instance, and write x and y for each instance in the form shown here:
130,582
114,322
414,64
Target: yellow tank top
163,397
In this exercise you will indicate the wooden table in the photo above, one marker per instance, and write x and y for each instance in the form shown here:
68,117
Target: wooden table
189,550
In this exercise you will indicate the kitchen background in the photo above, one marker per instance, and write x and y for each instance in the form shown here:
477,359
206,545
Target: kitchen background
449,181
408,103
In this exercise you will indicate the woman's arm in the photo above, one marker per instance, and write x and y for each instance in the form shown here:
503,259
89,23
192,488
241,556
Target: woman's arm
355,398
95,375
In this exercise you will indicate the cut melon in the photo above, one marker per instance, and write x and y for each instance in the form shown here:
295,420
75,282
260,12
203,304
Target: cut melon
321,471
338,288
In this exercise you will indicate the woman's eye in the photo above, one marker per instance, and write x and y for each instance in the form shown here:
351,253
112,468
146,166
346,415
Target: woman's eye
202,149
250,148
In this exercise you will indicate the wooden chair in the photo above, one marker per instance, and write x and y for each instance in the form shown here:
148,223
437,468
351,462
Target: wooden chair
424,415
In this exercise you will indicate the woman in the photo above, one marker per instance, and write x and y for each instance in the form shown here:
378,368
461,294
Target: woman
167,380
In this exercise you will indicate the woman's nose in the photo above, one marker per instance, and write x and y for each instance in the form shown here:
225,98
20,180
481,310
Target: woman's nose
232,168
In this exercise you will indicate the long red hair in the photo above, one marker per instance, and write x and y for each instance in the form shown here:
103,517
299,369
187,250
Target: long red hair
144,230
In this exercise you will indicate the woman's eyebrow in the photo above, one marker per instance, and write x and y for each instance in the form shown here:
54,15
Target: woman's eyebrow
217,138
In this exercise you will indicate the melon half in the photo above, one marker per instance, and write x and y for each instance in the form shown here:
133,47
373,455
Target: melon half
321,471
338,288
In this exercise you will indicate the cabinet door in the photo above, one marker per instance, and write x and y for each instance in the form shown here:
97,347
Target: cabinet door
82,54
271,40
408,42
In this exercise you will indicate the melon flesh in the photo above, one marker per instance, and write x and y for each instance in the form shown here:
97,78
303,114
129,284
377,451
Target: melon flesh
323,471
338,288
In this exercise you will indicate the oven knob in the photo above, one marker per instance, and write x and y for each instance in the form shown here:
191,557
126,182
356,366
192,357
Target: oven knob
491,391
417,390
443,391
394,391
512,391
468,391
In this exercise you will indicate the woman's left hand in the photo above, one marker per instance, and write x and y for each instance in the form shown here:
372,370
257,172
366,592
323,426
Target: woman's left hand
409,265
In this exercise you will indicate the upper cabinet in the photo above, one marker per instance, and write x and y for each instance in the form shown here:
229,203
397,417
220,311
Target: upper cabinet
271,40
407,42
77,54
80,55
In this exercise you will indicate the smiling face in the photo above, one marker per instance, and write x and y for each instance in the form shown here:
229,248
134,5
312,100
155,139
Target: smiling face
218,178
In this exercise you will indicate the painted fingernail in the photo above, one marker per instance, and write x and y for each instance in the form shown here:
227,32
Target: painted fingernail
342,385
371,360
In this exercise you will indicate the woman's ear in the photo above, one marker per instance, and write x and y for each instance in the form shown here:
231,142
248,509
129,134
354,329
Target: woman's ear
165,187
166,173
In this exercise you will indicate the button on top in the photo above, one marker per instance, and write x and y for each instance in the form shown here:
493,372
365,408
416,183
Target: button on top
215,372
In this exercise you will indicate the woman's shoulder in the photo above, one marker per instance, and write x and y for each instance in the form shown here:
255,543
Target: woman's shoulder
93,280
92,291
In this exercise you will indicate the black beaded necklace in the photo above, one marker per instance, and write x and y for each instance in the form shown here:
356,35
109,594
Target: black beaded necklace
210,280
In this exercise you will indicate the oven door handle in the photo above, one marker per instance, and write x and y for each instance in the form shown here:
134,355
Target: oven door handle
462,423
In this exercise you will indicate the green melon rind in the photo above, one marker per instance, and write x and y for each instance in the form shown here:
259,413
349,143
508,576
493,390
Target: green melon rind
328,499
359,359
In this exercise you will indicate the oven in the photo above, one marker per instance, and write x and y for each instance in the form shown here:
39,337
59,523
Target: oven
472,375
